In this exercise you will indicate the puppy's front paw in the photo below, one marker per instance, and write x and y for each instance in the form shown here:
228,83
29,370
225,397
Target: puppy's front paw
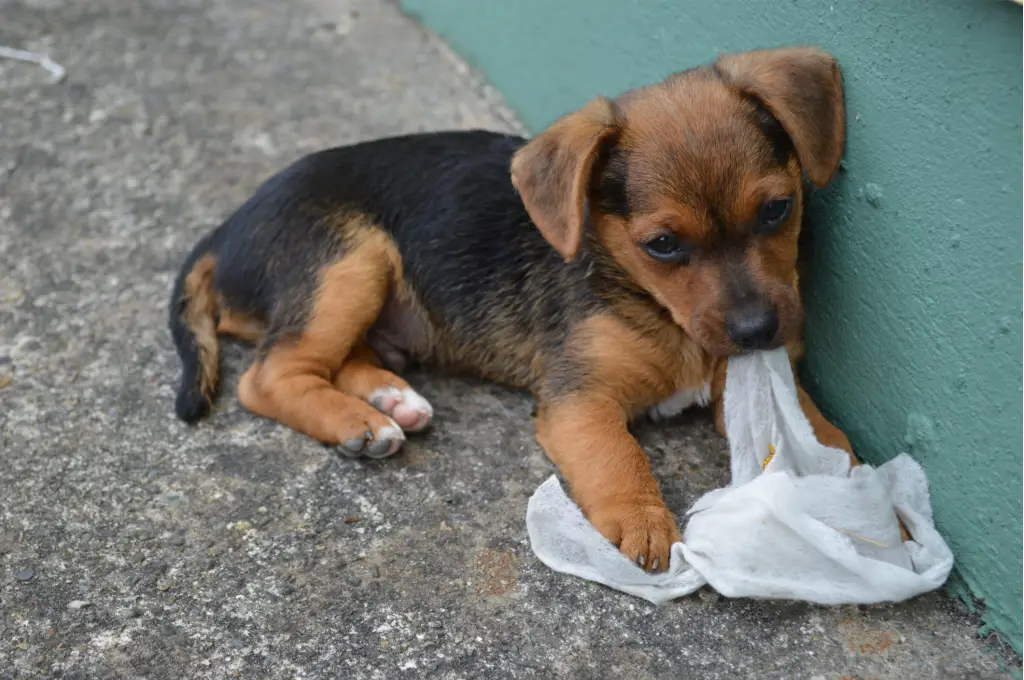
644,531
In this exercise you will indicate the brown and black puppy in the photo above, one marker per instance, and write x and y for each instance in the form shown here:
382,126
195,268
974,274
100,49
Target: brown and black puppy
610,265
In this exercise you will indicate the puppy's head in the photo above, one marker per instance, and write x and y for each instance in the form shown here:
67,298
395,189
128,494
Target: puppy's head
694,186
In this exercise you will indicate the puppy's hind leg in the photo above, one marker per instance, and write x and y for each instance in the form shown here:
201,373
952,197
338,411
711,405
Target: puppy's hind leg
293,381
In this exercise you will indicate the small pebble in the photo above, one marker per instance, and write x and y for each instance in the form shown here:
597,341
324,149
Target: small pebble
25,575
75,605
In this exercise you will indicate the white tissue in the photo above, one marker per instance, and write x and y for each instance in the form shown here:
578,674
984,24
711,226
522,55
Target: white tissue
805,527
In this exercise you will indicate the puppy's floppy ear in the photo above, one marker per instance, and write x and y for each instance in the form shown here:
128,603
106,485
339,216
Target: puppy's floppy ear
803,89
552,173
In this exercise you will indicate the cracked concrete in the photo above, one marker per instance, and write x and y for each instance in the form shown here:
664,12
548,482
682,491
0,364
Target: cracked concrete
134,547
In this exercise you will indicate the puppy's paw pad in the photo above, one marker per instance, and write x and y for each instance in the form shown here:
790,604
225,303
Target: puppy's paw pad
410,410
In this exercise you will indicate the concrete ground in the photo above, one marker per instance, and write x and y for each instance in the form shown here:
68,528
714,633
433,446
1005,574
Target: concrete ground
133,546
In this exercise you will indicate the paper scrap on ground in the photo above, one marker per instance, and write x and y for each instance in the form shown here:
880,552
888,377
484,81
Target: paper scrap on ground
806,527
56,70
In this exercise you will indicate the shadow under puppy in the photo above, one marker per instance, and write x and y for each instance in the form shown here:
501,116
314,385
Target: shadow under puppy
610,265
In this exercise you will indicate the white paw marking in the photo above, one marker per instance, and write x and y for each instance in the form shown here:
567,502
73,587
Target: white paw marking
680,401
416,401
412,399
390,399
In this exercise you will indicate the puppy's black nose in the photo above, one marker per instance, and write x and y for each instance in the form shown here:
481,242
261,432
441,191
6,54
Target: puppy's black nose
752,326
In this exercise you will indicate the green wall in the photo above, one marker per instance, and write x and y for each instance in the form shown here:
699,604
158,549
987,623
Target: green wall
914,325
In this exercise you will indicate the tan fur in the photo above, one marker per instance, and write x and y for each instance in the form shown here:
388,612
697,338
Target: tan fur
637,368
239,326
361,375
200,312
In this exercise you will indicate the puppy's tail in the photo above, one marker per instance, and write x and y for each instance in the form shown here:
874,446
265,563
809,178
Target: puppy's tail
193,322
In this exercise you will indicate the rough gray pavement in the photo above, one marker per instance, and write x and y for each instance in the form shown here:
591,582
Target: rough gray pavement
132,546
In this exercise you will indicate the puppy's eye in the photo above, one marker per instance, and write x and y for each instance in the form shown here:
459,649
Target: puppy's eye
668,248
773,214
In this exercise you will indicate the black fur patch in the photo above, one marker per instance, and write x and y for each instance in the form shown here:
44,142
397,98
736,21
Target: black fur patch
771,128
613,196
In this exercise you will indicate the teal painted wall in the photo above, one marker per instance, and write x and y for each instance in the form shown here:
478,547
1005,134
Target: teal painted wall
914,307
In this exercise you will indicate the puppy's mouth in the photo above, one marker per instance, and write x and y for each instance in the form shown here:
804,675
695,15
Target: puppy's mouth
724,349
737,350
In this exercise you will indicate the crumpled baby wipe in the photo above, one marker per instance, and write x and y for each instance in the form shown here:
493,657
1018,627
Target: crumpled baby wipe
794,523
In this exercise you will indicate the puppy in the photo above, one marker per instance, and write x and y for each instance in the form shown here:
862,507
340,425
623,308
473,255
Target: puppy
610,265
